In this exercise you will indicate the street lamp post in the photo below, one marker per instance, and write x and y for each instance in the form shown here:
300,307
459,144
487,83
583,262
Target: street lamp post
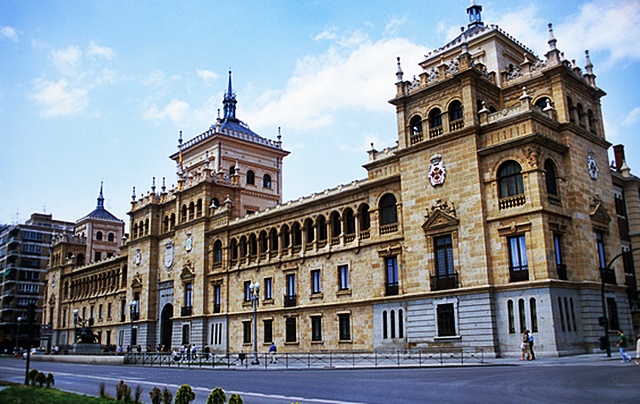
254,288
75,325
20,318
133,310
604,320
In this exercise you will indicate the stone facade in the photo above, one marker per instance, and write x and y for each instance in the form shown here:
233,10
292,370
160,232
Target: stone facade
492,215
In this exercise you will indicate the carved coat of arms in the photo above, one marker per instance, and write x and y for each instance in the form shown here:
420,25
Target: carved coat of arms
168,255
437,170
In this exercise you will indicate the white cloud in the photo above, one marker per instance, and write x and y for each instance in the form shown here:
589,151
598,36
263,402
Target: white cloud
59,98
9,33
97,51
175,110
328,34
347,75
393,26
68,60
208,76
632,118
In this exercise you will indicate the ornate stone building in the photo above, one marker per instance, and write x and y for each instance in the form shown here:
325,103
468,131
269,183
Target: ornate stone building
491,215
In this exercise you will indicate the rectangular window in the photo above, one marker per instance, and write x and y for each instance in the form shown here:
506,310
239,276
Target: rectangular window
109,313
188,294
602,260
345,327
185,334
522,316
64,317
246,332
247,291
217,290
315,282
100,312
316,328
512,322
268,288
267,325
446,320
561,267
391,265
343,277
97,256
290,334
518,263
290,297
612,306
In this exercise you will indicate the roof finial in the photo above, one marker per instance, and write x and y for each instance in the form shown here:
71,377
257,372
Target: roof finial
180,139
552,40
399,72
100,197
474,12
589,66
229,102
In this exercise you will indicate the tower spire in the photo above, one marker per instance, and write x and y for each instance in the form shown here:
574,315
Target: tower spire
475,18
100,198
229,102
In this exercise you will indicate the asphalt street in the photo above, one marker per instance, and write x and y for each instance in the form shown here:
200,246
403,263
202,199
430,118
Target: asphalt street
585,379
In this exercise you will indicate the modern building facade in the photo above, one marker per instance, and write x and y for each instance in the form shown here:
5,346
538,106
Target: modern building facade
493,214
24,258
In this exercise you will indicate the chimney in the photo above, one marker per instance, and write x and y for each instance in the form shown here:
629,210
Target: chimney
618,153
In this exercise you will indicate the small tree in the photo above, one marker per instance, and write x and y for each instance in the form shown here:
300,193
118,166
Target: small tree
185,395
137,394
217,396
31,376
155,395
50,380
123,392
40,378
235,399
167,396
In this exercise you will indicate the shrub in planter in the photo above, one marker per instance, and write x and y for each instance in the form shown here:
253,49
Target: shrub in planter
185,395
155,395
137,394
167,396
235,399
32,375
50,380
217,396
40,378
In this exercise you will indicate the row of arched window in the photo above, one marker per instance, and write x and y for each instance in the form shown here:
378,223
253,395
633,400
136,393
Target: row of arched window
577,114
324,230
522,316
251,177
97,284
110,237
454,114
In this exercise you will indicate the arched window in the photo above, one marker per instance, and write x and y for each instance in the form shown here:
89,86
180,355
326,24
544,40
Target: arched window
550,177
183,215
286,241
99,236
217,251
592,121
199,208
365,219
511,318
455,110
336,226
232,170
435,118
273,238
349,221
296,232
262,242
253,244
310,233
266,181
416,126
321,223
192,210
533,314
388,211
146,226
571,109
111,237
233,249
510,179
251,178
243,247
172,222
165,224
580,112
542,103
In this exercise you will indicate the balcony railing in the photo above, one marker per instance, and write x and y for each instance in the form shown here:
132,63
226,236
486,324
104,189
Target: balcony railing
216,307
348,238
186,311
435,132
389,228
519,275
455,125
512,201
562,272
391,289
290,301
444,281
417,138
365,234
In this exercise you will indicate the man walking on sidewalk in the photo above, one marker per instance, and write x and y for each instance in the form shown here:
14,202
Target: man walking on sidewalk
622,345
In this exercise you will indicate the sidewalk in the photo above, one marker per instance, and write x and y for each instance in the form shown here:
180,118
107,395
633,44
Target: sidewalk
564,360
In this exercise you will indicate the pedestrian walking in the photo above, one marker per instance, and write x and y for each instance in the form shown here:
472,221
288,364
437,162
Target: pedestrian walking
524,346
533,354
622,345
638,349
273,350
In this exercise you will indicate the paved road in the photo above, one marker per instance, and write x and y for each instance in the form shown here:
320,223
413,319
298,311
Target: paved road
586,379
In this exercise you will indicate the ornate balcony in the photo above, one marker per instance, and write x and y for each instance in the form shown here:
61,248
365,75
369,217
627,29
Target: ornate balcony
512,201
290,301
444,282
186,311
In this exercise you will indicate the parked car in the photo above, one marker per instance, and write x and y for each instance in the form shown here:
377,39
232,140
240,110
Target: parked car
34,351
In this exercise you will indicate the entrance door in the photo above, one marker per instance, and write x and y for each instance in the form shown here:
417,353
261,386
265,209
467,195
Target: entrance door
166,327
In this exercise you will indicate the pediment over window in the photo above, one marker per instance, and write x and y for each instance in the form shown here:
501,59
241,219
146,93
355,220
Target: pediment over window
136,282
187,271
440,217
599,214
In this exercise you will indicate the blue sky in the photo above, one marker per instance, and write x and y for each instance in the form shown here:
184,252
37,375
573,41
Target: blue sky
95,91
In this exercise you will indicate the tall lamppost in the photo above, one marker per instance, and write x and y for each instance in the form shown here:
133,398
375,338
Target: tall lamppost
604,320
254,288
20,318
75,325
133,311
